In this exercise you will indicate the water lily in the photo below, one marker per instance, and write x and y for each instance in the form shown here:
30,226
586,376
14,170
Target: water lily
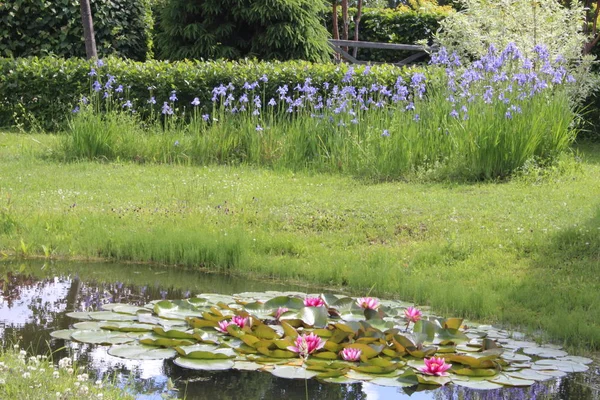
314,302
413,314
240,321
435,366
236,320
280,311
369,303
307,344
350,354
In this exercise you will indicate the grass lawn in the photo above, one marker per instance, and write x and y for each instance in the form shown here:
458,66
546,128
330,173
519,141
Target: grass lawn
524,252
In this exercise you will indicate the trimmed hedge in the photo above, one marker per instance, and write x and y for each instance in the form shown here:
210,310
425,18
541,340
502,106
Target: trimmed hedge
402,25
37,28
43,91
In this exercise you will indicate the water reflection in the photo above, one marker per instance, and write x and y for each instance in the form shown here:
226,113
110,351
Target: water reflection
34,303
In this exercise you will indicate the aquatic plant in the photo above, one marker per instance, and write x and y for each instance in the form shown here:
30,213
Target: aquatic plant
342,342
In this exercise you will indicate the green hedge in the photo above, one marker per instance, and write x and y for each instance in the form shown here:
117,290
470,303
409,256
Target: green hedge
402,25
41,27
43,91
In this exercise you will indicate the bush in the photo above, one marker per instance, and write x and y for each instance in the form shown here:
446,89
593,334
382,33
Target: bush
44,90
403,25
35,28
235,29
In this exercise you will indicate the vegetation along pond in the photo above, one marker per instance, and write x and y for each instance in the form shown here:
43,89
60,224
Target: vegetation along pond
348,347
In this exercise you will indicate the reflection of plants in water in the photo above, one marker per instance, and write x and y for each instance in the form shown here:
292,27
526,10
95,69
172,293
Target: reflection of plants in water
11,286
38,305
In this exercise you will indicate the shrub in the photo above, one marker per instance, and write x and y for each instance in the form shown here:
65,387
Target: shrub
234,29
34,28
45,90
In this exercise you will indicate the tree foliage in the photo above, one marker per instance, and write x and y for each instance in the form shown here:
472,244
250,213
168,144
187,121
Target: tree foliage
526,23
234,29
30,28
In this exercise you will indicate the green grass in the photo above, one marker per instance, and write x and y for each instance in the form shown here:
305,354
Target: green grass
25,377
524,252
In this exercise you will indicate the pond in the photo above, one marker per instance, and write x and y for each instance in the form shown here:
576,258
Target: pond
35,298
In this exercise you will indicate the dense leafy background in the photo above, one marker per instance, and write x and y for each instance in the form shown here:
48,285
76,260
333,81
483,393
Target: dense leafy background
33,28
233,29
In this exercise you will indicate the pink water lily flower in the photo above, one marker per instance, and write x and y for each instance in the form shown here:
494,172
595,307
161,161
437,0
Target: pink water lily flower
236,320
280,311
413,314
350,354
368,303
307,344
314,302
435,366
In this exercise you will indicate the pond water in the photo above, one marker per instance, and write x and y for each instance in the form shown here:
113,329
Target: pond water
35,297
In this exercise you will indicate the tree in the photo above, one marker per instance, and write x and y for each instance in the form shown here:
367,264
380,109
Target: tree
356,24
88,30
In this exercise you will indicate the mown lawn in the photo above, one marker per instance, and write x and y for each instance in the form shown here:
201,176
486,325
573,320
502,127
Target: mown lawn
524,252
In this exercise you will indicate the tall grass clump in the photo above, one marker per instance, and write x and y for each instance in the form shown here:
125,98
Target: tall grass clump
480,120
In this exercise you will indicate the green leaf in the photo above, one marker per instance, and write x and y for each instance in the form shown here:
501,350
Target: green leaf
314,316
203,364
290,372
141,352
102,337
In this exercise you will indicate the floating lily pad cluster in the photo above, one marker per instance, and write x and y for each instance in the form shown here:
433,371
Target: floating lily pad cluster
333,338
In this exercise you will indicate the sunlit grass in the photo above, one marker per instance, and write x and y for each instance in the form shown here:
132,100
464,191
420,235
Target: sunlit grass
523,252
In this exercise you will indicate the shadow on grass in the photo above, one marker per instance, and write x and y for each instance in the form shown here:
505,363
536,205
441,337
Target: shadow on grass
561,294
589,151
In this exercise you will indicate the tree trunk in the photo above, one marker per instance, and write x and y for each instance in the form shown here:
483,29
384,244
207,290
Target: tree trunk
88,30
336,29
345,21
356,24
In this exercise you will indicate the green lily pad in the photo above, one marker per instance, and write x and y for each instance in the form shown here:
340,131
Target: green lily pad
102,337
247,366
340,379
126,327
88,325
290,372
506,380
577,359
433,380
141,352
515,357
314,316
561,365
64,334
529,374
544,352
203,364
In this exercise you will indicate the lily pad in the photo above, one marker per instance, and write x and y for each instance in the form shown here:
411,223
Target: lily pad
506,380
293,372
64,334
544,352
102,337
141,352
204,365
562,365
